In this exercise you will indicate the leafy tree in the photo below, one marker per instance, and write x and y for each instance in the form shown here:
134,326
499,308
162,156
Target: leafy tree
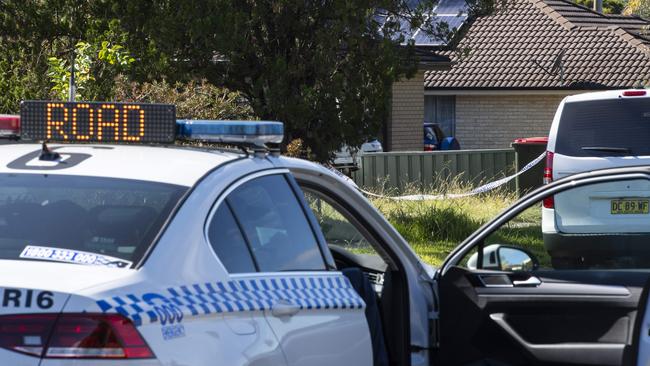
638,7
95,66
35,32
609,6
325,68
194,99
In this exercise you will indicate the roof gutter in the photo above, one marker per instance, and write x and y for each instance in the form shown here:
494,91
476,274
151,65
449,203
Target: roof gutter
434,65
502,92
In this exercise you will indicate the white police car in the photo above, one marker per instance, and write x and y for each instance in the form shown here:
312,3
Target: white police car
165,255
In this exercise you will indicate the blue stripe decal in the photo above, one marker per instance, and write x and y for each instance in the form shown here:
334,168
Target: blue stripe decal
234,296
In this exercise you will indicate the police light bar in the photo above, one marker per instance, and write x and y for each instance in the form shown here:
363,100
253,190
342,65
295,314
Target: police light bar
9,126
253,133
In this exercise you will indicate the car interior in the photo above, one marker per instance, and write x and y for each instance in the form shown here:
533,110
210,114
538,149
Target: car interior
114,230
357,251
506,309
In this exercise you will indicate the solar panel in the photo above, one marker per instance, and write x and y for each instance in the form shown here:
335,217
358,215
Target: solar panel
451,7
452,12
452,21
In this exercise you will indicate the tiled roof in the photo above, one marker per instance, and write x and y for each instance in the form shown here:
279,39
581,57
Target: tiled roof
517,48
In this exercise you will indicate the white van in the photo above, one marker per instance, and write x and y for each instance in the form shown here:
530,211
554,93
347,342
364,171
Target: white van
594,131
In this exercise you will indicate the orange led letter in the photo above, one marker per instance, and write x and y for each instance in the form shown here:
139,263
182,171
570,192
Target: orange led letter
140,123
90,122
114,124
56,126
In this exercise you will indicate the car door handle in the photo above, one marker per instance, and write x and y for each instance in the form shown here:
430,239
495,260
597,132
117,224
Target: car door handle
282,308
531,281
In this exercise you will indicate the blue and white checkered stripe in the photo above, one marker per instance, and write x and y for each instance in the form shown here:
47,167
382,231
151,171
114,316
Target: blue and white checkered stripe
251,294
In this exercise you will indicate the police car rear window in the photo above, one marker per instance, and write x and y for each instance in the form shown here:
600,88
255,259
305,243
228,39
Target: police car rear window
84,220
617,127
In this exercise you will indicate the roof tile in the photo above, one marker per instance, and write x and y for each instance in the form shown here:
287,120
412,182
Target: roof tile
520,48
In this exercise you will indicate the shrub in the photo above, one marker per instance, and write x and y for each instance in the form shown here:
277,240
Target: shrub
193,100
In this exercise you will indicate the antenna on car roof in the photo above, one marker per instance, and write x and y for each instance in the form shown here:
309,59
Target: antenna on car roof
48,154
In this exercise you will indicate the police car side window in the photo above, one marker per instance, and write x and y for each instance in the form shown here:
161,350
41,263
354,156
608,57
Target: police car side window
335,225
228,242
275,226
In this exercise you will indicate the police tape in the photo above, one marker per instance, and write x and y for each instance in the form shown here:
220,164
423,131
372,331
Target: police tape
427,197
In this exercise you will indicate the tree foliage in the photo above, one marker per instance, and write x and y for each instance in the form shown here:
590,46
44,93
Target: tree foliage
37,38
609,6
193,100
325,68
638,7
96,66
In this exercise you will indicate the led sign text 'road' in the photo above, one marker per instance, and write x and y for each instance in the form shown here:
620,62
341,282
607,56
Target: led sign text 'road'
95,122
98,122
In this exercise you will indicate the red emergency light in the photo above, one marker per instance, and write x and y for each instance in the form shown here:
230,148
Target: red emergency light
9,125
634,93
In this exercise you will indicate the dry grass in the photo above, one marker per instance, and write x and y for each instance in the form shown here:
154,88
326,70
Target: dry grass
435,227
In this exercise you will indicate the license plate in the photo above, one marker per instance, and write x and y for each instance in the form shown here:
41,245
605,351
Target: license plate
629,207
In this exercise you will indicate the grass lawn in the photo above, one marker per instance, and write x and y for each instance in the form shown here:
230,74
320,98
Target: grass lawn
434,228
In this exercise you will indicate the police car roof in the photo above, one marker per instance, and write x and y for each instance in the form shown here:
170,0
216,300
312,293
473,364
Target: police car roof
173,164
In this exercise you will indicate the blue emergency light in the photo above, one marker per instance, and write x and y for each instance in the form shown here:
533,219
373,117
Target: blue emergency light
254,133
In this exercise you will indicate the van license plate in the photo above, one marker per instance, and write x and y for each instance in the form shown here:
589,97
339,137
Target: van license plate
628,206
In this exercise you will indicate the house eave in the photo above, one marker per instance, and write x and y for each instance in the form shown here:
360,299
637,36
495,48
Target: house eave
512,91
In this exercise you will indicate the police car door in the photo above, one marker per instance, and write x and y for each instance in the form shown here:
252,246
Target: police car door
407,306
314,312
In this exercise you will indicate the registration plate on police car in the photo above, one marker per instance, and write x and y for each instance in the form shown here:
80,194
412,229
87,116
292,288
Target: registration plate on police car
630,206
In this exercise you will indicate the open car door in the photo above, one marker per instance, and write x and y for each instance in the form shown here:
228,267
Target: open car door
502,301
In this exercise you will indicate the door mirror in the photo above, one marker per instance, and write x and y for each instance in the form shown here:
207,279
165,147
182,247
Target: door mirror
504,258
516,259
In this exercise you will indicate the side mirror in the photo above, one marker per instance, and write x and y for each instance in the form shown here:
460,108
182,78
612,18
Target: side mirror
501,257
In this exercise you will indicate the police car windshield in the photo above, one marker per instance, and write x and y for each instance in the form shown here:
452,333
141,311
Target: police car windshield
84,220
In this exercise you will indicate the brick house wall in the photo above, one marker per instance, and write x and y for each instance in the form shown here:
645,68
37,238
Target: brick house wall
494,121
404,127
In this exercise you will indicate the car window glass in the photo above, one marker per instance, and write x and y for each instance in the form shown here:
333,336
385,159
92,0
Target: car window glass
336,228
523,232
588,124
228,242
596,226
275,225
112,217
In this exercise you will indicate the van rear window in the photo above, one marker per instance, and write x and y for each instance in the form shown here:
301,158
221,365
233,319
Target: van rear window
615,127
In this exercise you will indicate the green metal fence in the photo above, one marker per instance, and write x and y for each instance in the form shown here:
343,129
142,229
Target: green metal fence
424,170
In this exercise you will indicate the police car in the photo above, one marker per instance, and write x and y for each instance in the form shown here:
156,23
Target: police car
156,254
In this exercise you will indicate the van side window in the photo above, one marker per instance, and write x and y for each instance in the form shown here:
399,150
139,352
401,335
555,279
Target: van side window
275,226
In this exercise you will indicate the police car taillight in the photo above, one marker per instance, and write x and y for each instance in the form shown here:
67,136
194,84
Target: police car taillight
9,125
104,336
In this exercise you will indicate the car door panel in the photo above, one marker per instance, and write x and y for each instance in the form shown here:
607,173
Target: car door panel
318,318
570,317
